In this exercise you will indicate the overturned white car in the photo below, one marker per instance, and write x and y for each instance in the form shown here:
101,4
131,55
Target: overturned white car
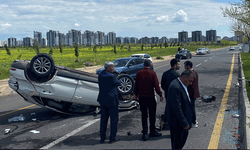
43,83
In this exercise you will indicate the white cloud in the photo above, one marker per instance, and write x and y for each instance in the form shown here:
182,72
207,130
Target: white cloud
180,16
77,25
162,19
6,25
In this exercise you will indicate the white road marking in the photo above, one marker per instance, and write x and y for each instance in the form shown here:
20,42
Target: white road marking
198,65
211,57
205,61
69,134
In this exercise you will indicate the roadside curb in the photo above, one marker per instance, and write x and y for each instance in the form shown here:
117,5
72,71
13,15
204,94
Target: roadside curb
244,107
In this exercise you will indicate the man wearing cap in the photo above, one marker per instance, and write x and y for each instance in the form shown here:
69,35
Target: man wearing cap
145,83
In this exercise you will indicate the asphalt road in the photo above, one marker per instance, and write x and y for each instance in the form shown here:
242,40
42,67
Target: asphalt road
43,128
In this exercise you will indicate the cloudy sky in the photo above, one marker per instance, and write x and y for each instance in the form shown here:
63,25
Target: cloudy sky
127,18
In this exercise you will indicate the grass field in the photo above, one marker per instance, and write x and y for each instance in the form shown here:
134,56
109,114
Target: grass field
86,54
246,69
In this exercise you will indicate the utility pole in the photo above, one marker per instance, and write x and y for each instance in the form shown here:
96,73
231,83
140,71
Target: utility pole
145,44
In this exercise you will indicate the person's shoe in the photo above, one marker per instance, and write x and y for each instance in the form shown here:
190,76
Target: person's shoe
195,126
102,140
155,134
165,127
114,140
144,137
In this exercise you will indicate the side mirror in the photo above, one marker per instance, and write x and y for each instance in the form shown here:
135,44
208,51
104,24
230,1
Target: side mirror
129,65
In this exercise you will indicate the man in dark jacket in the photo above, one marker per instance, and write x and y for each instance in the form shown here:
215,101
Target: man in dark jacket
146,82
109,101
166,79
180,115
193,89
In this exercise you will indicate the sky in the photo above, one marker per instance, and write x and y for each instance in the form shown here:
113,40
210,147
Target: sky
127,18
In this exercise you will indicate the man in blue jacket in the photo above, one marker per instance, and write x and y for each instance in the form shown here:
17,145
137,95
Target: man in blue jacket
109,101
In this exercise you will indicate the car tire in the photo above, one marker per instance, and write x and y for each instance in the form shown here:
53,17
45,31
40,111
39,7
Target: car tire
42,65
127,84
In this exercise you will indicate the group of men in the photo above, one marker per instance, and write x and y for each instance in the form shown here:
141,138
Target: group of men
180,94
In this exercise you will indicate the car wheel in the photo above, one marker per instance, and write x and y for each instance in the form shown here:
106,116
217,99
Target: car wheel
42,65
127,84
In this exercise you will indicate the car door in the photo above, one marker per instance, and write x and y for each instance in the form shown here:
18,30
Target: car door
132,67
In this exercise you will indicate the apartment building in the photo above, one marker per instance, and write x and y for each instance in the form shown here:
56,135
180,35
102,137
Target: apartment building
99,38
89,37
183,36
133,40
126,40
164,39
120,40
62,38
173,40
44,42
27,41
38,37
19,43
111,38
12,42
211,36
74,37
52,38
196,36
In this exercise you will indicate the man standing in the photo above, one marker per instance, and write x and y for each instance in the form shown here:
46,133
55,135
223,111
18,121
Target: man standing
109,101
146,82
179,109
166,79
193,89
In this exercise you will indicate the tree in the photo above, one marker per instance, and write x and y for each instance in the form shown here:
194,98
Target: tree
142,47
51,51
114,48
161,45
239,13
95,50
60,47
36,46
7,49
76,51
129,48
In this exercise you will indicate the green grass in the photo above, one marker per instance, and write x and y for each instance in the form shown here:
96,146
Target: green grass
245,58
68,58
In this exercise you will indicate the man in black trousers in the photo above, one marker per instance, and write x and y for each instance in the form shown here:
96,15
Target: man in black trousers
180,114
167,77
109,101
145,85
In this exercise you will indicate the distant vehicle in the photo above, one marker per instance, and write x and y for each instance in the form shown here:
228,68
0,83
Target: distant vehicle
232,48
143,55
201,51
129,65
240,48
207,50
183,54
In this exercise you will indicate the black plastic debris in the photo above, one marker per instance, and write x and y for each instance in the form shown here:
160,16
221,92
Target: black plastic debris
208,98
129,133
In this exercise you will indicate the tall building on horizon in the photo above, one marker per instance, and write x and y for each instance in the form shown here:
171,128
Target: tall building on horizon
12,42
27,41
111,38
38,37
183,36
196,36
74,37
52,38
211,36
89,37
